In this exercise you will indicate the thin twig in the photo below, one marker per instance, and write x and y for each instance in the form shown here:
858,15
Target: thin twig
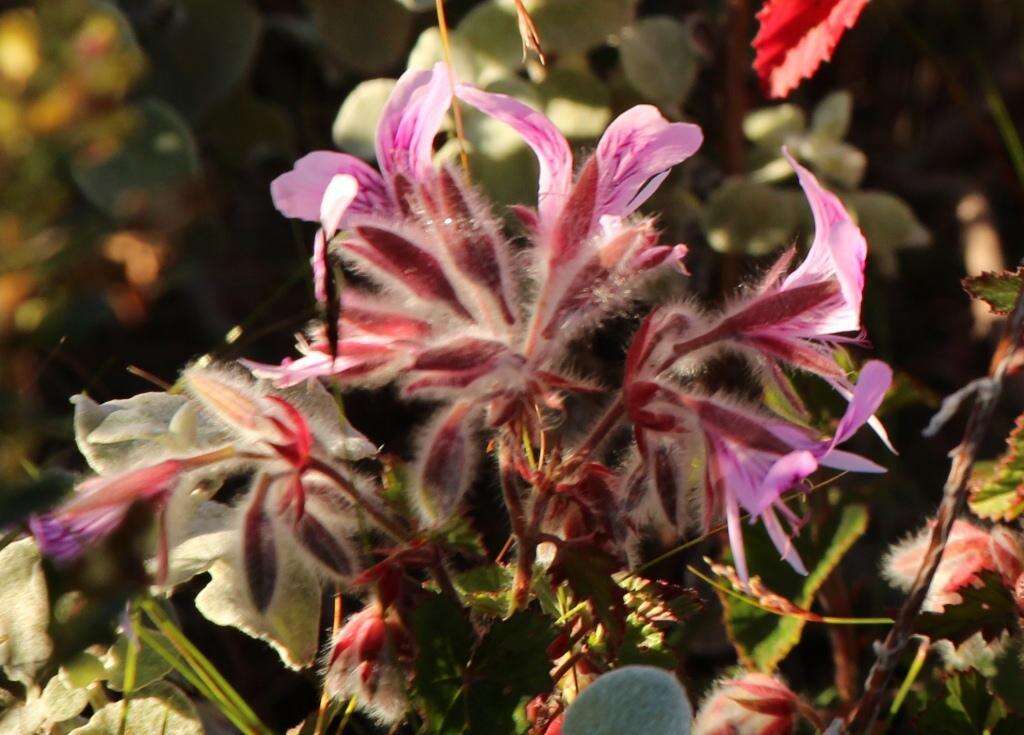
460,133
954,497
325,697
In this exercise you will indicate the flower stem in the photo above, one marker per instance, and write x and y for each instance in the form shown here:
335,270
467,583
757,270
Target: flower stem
386,524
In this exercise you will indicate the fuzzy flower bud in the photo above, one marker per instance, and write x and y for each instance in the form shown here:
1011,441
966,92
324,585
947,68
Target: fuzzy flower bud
969,551
363,662
755,704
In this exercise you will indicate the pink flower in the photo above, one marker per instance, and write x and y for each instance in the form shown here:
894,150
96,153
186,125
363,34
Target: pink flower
969,551
455,315
754,704
798,319
752,458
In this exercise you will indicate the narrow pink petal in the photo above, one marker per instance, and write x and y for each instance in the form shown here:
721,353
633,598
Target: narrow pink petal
636,152
411,119
739,554
872,384
446,464
837,251
339,195
540,134
299,193
784,474
782,541
318,261
838,459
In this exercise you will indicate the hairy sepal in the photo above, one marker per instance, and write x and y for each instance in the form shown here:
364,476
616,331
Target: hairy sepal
446,462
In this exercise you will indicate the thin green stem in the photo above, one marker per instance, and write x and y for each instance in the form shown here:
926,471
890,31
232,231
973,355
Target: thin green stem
908,681
812,618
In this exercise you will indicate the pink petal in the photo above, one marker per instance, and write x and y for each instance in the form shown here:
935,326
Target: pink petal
838,459
838,251
782,541
318,261
540,134
784,474
635,154
410,120
339,195
446,464
875,379
299,193
796,36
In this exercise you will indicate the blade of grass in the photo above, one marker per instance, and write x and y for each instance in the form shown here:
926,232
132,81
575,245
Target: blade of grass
201,665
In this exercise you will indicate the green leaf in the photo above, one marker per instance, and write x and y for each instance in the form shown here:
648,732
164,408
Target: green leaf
486,589
762,639
25,644
998,290
889,225
1008,682
151,666
428,51
659,60
158,157
159,708
465,687
59,702
963,709
999,495
368,37
445,641
831,118
491,33
588,571
771,127
745,217
988,609
203,54
575,26
509,666
355,128
836,161
631,699
577,102
292,623
246,130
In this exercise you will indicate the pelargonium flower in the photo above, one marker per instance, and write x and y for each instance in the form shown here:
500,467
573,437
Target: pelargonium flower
455,317
800,318
969,551
364,661
753,704
751,458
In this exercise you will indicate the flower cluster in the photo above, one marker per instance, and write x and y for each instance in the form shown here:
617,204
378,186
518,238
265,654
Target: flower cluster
448,308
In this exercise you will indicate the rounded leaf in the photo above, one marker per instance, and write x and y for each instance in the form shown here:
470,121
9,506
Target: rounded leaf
831,118
369,37
630,700
746,217
355,127
659,60
577,102
771,127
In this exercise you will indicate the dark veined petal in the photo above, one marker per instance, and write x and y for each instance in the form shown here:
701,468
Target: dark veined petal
576,219
259,550
391,254
446,463
475,245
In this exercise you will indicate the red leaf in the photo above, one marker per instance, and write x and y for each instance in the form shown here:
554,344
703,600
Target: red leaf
796,36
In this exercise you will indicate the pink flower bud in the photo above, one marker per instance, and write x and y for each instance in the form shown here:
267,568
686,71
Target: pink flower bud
755,704
363,662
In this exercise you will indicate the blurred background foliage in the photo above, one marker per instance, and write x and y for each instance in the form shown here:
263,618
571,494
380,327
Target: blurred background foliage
138,140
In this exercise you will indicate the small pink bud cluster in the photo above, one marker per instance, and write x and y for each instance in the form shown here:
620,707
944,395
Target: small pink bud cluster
365,660
754,704
969,551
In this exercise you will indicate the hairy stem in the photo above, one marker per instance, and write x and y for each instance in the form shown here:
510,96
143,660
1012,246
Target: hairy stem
954,497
